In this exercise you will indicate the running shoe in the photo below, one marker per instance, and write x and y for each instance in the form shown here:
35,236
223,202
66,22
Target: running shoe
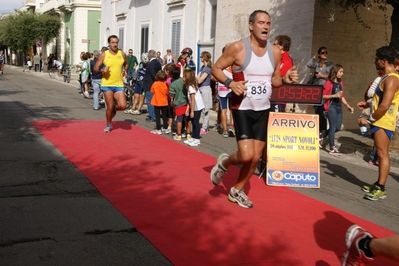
368,188
376,194
225,134
355,256
203,131
321,140
334,151
183,135
218,170
188,136
177,137
374,163
194,142
167,131
107,129
156,132
188,141
129,111
240,198
136,112
232,132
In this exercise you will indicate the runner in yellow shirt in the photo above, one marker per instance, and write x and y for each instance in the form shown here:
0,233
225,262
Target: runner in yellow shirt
113,66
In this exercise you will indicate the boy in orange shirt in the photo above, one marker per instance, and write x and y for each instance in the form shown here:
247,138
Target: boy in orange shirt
160,102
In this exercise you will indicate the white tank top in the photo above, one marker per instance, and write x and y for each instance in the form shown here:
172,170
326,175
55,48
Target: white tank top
169,59
258,70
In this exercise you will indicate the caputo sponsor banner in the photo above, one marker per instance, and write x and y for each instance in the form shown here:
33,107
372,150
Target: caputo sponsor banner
293,158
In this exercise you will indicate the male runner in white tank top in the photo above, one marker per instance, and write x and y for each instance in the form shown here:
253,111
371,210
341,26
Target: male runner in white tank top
256,69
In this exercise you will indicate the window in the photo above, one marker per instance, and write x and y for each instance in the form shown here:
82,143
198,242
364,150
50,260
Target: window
144,38
176,32
121,37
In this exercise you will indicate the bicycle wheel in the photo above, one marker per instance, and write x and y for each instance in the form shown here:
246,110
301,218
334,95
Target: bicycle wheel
68,76
129,96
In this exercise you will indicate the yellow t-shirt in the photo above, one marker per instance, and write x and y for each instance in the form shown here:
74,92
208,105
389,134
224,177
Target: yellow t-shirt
114,77
388,121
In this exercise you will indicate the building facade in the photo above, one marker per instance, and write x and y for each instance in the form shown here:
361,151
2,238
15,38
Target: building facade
143,25
80,27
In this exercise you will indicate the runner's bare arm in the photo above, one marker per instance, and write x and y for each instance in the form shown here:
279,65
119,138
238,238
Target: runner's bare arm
276,79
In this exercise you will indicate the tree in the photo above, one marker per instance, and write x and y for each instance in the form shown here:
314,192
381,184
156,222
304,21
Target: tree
381,4
21,30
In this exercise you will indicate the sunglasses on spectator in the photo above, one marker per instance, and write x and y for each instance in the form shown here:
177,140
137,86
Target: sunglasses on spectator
325,52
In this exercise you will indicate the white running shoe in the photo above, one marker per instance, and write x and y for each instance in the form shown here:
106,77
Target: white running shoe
218,170
194,142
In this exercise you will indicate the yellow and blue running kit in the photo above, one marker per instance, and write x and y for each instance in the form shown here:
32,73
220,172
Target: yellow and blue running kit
113,80
388,121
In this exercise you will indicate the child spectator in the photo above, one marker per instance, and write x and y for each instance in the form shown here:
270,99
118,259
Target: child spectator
160,102
170,107
178,94
194,108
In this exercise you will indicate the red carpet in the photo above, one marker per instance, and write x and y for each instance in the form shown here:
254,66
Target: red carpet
163,188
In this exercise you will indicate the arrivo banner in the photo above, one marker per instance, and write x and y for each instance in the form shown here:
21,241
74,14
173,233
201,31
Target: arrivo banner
293,158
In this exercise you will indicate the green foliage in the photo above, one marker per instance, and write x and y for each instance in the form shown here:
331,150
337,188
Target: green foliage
21,30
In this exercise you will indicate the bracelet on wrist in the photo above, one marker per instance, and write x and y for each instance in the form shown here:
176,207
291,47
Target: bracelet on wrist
227,82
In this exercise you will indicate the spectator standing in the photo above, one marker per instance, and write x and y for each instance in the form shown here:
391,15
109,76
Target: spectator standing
133,63
204,84
159,58
113,65
178,95
333,95
152,69
194,108
2,61
95,80
171,113
322,68
84,69
139,93
225,103
36,62
384,108
283,42
159,100
186,61
169,57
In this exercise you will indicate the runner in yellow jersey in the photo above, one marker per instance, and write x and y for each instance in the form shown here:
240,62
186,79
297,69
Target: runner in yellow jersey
382,120
113,66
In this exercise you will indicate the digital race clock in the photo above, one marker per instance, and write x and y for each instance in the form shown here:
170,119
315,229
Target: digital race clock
297,93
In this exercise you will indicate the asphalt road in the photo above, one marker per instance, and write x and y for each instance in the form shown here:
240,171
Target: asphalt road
52,215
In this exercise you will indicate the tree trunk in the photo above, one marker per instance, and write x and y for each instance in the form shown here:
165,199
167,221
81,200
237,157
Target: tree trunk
45,56
394,43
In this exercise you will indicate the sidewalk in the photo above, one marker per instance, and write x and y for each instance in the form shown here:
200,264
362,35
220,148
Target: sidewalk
349,143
